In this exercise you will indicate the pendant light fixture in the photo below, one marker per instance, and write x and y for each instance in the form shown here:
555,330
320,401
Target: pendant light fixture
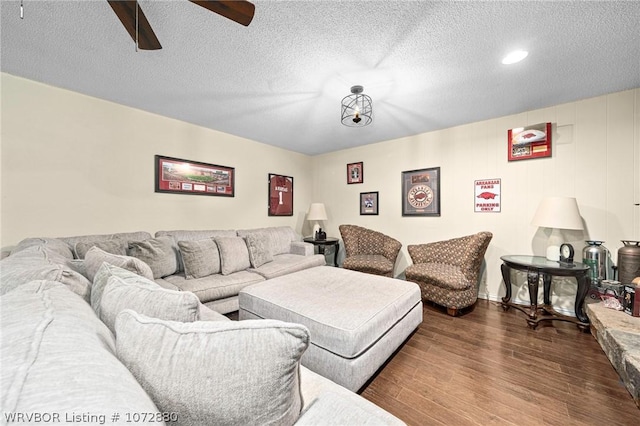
356,108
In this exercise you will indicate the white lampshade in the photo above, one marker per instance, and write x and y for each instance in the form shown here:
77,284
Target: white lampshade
317,212
557,213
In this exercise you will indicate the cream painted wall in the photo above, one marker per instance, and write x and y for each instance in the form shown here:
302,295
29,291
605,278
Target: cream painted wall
595,158
73,165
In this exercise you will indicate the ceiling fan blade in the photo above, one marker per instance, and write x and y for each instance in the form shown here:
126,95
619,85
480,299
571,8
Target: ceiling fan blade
126,12
240,11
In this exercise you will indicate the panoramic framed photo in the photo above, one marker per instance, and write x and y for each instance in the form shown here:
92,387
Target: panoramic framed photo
280,195
355,172
369,203
178,176
529,142
421,192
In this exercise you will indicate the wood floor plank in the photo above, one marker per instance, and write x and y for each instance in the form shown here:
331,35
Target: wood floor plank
486,367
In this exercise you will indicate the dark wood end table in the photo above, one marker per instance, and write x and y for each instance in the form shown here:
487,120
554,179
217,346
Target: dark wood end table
322,244
536,266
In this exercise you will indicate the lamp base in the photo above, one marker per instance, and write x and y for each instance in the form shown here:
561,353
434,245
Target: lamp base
553,245
316,228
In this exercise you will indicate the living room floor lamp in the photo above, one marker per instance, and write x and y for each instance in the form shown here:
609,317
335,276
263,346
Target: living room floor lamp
557,213
316,213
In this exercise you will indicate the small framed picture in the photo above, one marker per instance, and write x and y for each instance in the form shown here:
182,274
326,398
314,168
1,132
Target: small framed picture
369,203
421,192
280,195
529,142
355,173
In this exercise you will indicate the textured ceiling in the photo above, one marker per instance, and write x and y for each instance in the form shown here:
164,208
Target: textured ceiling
427,65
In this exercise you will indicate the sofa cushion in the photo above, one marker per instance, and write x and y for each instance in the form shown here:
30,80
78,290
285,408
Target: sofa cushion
52,345
90,239
39,263
280,237
101,278
161,254
244,372
95,257
234,255
216,286
148,298
259,245
110,246
200,258
52,244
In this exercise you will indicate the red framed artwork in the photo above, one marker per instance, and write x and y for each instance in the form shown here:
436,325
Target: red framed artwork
355,173
178,176
280,195
529,142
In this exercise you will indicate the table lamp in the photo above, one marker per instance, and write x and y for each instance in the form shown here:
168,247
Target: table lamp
316,213
557,213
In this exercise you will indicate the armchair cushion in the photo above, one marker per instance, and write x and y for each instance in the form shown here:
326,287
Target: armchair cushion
440,274
370,263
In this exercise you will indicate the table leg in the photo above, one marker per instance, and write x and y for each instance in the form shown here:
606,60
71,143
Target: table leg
320,248
533,277
506,277
335,254
546,282
581,294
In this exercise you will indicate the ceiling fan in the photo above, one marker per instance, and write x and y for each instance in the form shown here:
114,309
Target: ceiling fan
138,27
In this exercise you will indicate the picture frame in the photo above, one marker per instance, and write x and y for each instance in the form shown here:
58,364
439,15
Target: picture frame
280,195
369,204
421,192
179,176
529,142
355,173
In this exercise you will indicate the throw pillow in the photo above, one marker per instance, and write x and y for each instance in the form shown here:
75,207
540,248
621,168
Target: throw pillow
161,254
101,279
200,258
259,248
234,255
110,246
222,372
95,257
148,299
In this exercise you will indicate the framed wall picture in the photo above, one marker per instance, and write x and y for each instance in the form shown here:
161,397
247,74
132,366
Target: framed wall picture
421,192
178,176
280,195
369,203
529,142
355,173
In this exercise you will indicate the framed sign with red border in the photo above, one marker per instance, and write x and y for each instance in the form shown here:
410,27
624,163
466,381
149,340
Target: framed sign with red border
178,176
421,192
355,173
280,195
529,142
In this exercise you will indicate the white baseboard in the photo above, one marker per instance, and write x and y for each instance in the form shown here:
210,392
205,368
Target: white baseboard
495,298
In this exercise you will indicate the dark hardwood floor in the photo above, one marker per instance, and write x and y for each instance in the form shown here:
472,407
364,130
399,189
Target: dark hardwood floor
487,367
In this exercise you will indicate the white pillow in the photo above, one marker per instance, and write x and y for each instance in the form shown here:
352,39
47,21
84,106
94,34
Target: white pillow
218,373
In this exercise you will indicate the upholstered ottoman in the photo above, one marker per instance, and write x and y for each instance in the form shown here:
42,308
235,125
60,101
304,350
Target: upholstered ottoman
356,320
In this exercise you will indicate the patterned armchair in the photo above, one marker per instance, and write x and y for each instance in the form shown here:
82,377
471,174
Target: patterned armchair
448,271
369,251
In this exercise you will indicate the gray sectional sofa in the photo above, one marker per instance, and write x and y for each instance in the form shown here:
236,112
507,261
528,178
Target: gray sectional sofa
113,338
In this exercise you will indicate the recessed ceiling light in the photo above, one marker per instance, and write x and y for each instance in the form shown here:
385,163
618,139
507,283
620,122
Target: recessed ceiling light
515,56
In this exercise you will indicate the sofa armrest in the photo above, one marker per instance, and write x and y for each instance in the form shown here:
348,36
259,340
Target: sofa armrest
302,248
